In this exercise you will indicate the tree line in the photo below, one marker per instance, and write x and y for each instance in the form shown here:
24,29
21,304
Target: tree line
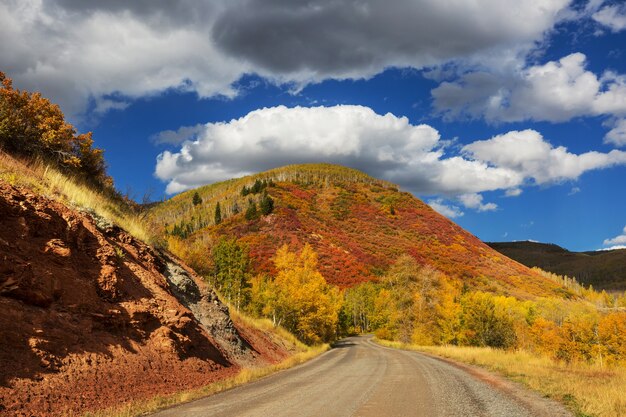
417,304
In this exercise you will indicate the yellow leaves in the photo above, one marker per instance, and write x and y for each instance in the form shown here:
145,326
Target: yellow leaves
300,299
612,336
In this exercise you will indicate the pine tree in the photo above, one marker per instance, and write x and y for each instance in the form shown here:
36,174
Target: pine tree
266,204
196,199
257,187
218,214
251,212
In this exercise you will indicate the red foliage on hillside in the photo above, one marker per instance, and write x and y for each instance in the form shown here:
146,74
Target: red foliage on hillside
359,228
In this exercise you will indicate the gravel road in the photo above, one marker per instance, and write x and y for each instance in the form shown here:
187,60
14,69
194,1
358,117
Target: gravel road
361,378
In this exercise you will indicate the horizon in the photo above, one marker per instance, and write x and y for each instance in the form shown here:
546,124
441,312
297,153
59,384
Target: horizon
515,133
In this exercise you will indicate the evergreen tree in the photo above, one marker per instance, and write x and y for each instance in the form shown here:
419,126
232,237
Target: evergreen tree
257,187
252,212
245,191
266,204
196,199
218,214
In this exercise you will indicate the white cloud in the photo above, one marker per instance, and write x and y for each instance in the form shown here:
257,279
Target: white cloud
475,201
556,91
616,247
529,155
385,146
74,55
613,17
449,211
617,240
513,192
574,190
78,51
103,105
617,135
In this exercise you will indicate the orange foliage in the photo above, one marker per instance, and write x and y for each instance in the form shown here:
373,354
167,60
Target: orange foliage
32,126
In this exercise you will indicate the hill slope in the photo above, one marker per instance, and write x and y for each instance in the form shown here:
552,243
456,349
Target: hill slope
605,270
91,317
358,225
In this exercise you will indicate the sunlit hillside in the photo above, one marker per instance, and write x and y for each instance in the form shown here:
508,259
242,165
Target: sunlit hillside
357,224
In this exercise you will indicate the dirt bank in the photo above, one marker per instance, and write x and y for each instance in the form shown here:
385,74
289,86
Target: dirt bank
90,317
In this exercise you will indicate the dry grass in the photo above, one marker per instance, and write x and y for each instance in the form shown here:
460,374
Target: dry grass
49,182
588,390
245,376
267,326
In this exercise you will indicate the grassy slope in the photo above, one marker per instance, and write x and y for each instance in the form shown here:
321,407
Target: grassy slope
588,390
47,181
605,270
357,224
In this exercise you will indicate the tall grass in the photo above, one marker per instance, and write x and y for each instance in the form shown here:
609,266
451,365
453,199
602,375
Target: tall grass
246,375
46,180
588,390
268,327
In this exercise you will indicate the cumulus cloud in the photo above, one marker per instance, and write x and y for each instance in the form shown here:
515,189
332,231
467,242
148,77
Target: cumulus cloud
513,192
617,135
612,16
617,240
556,91
76,52
528,154
79,51
444,209
616,247
360,38
475,201
385,146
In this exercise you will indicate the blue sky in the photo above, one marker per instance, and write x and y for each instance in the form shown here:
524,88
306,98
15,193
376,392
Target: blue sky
507,116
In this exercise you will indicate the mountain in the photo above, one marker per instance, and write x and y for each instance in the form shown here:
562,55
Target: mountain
605,270
357,224
92,317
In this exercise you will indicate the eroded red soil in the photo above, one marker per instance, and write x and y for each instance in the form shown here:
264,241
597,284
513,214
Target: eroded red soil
88,318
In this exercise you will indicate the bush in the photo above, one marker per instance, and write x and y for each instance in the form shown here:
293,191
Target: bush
31,126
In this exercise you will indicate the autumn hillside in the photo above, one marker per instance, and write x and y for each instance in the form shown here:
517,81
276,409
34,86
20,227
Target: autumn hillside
357,224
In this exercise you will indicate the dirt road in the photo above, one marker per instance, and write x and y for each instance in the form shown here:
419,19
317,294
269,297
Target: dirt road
361,378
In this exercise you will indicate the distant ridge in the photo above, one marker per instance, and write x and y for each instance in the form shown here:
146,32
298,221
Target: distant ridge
605,270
